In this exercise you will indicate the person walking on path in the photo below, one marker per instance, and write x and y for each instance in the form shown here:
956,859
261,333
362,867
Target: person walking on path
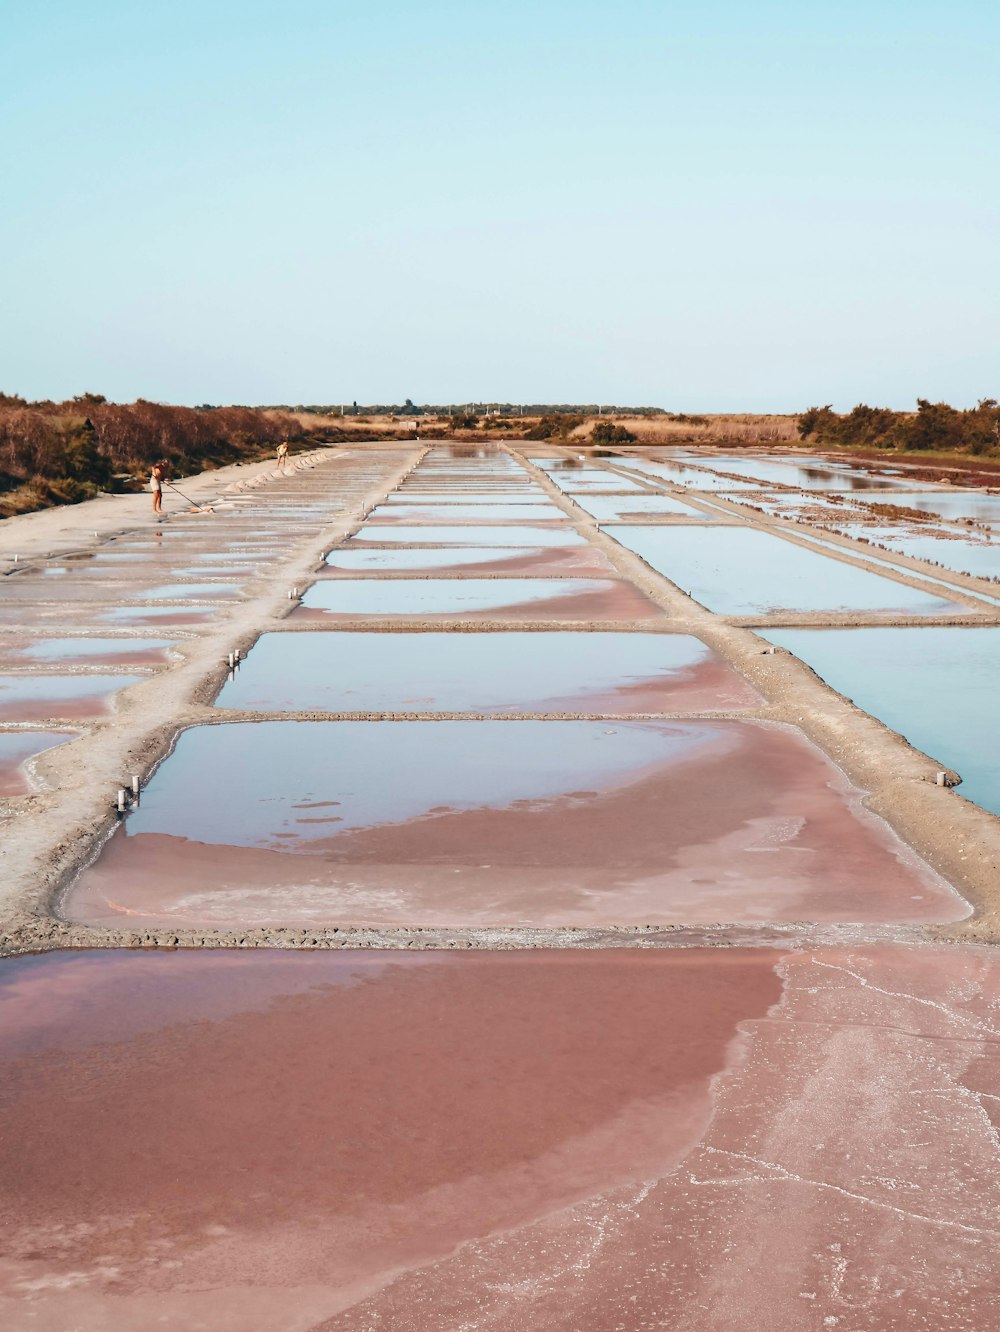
156,479
282,454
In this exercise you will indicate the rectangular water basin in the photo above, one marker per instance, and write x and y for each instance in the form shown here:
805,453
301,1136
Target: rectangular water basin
978,558
489,673
471,559
808,476
17,749
159,616
190,592
414,495
68,697
478,535
935,686
466,513
571,483
607,508
479,598
85,651
542,823
979,506
743,571
676,475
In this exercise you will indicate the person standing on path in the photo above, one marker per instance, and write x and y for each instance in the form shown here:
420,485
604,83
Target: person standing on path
282,454
156,479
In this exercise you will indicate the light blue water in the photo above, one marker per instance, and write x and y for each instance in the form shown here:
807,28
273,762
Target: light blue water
885,562
413,495
466,513
189,591
606,508
252,784
16,747
677,475
743,571
938,687
974,504
572,482
144,614
449,596
480,535
416,557
18,692
69,649
978,558
222,570
827,476
469,672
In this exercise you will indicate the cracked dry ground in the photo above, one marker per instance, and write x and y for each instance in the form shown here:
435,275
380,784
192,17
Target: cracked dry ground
651,1028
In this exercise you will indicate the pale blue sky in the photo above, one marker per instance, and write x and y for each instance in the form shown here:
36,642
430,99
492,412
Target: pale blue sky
711,205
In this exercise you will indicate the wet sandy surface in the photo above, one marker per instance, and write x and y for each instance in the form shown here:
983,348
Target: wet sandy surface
16,748
486,673
549,1141
514,823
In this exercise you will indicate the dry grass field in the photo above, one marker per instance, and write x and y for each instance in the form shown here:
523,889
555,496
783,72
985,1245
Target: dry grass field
737,428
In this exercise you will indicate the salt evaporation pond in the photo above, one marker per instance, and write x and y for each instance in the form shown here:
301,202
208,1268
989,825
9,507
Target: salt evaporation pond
955,504
86,651
979,559
809,476
504,822
74,697
936,687
676,474
744,571
571,482
499,598
472,559
479,534
485,673
16,748
356,1140
416,495
608,507
466,513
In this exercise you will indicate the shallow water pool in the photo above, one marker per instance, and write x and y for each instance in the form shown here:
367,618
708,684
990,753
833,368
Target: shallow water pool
744,571
935,686
489,673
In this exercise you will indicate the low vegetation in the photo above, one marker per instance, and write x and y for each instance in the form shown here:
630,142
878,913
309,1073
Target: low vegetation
553,425
934,427
606,433
61,453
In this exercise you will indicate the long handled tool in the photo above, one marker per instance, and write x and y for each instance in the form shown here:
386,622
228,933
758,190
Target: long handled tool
199,508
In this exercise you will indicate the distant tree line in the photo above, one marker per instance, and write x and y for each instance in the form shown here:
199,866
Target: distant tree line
56,453
933,426
477,409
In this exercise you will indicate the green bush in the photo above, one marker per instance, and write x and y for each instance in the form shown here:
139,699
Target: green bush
556,426
934,427
606,432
